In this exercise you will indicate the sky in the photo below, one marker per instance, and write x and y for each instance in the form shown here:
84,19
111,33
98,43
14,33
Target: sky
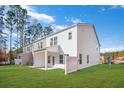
108,20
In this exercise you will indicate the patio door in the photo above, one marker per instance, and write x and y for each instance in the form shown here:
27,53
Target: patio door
53,60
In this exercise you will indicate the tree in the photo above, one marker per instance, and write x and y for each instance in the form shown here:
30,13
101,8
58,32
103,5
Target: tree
34,32
16,10
21,22
3,38
47,30
1,18
1,23
22,26
10,21
38,31
28,34
21,17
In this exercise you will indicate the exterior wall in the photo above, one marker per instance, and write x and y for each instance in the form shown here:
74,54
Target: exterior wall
88,45
84,41
27,59
27,49
51,61
71,64
35,45
19,56
68,46
39,59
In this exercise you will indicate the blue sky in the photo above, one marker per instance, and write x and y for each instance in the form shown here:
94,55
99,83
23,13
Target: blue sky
108,20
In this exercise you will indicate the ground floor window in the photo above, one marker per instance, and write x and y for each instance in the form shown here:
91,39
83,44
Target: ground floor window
19,57
61,59
87,59
80,58
53,60
48,59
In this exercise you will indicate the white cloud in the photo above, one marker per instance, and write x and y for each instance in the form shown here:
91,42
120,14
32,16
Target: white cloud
28,8
14,34
72,20
117,6
112,7
4,35
112,49
103,9
58,27
39,16
122,6
67,19
7,33
75,21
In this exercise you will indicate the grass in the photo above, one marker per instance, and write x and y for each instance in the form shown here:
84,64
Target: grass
92,77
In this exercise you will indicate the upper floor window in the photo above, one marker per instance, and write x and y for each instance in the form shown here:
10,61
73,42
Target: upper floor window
55,40
28,48
51,41
70,35
25,48
97,48
40,45
32,46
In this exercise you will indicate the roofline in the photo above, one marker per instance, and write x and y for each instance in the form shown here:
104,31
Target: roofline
94,30
96,34
55,33
52,34
69,27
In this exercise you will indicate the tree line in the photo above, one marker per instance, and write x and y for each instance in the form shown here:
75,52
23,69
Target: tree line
16,20
113,55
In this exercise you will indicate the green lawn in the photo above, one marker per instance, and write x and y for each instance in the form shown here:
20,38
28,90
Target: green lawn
96,76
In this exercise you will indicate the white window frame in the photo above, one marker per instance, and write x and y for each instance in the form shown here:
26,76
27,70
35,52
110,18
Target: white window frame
28,48
70,35
40,45
55,40
51,41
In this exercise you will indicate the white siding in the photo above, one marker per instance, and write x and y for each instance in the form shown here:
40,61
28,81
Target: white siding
84,41
27,49
68,46
88,45
51,59
35,45
71,64
39,58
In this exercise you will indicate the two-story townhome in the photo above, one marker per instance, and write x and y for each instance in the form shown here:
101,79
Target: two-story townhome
78,43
